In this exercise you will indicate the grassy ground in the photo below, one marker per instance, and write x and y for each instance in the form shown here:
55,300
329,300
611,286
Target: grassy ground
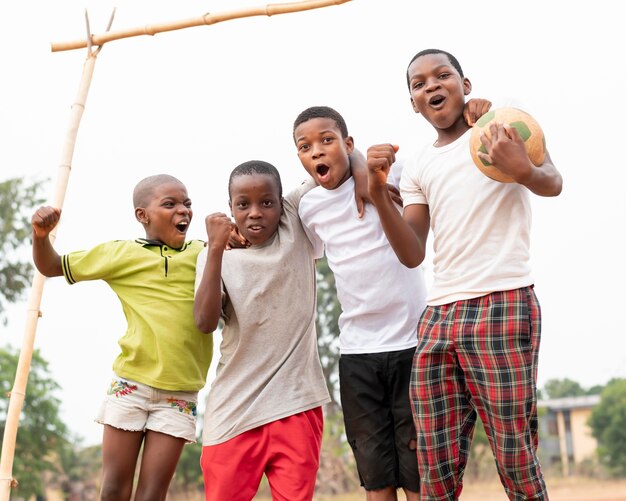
573,489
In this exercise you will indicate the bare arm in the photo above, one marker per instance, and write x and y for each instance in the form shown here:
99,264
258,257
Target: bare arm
406,233
207,305
506,151
46,259
545,181
358,167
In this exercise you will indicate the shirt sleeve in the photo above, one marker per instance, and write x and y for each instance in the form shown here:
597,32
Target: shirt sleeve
295,195
410,190
316,242
103,262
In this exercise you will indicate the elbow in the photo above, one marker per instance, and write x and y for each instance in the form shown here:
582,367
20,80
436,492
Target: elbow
204,323
48,271
411,259
411,262
552,191
558,188
206,327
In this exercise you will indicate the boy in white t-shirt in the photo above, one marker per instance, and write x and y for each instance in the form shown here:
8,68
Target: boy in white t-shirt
381,301
479,335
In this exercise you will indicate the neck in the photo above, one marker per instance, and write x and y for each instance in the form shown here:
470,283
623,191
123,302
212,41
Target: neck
451,134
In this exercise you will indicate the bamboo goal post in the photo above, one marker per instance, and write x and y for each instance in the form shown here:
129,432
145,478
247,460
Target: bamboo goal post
206,19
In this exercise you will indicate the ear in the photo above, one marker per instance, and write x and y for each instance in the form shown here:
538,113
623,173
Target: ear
467,86
349,142
230,206
141,216
414,106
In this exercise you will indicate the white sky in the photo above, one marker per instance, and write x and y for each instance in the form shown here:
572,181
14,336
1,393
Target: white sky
197,102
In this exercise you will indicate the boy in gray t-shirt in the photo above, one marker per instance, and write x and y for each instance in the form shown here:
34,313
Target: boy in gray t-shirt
264,408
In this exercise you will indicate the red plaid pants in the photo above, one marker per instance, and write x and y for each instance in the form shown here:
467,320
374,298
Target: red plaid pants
478,356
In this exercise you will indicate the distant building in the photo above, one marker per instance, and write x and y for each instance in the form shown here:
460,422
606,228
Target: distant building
565,437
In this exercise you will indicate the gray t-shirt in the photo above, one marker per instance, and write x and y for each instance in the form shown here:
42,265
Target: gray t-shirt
269,366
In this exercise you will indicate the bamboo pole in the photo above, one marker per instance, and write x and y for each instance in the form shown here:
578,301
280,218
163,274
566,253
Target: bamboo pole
33,313
206,19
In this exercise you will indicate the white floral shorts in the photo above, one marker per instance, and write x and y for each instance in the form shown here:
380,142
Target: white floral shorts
134,406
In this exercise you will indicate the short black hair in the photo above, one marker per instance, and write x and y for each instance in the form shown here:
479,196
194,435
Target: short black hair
256,167
453,61
321,112
145,188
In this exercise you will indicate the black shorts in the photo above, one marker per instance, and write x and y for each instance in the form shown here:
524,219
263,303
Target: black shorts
374,391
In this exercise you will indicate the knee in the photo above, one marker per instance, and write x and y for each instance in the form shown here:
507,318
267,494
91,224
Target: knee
151,494
112,491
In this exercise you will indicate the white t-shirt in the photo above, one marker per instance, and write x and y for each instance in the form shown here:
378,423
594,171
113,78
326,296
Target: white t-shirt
481,227
269,366
381,299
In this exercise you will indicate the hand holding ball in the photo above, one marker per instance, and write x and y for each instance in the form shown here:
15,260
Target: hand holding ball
526,126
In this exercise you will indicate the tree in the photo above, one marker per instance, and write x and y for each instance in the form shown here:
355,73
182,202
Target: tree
79,472
480,464
328,311
608,426
559,388
188,478
42,437
337,471
17,199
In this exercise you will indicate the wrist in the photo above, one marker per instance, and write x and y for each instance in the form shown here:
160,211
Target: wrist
215,249
378,192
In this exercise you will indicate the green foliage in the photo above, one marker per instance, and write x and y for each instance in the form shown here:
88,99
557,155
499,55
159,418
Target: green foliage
17,202
560,388
188,477
328,311
480,465
608,426
337,472
595,390
79,471
42,437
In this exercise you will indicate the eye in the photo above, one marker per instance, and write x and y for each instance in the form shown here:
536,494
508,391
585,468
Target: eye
188,204
303,147
418,85
242,205
168,204
327,140
268,203
445,75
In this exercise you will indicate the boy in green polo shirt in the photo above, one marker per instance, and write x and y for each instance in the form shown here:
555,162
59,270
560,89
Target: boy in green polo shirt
164,358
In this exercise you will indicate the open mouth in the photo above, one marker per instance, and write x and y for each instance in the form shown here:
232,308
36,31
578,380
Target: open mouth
182,226
322,170
436,100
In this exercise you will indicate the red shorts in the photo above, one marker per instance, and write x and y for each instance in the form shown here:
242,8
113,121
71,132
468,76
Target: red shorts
287,451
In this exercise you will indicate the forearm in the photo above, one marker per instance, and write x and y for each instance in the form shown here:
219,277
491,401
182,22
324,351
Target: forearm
545,181
46,259
358,167
207,306
404,241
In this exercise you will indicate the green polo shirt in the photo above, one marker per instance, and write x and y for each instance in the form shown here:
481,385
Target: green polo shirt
162,346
